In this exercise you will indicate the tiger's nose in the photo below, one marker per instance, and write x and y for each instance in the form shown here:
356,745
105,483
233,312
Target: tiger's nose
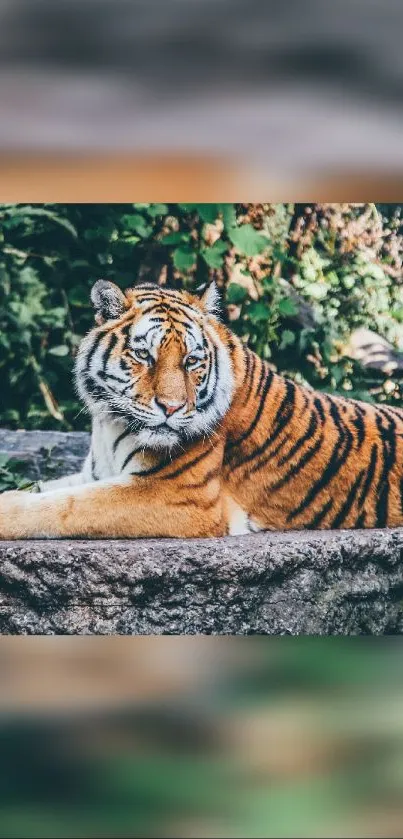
169,407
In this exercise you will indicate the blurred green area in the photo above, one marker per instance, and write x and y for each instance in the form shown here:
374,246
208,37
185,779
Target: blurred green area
202,738
296,281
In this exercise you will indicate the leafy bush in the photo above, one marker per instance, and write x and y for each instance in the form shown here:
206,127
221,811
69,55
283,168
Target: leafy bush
296,281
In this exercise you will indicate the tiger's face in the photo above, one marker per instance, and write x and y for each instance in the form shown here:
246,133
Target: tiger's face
156,360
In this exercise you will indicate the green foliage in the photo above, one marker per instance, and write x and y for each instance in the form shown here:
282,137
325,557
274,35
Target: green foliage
12,474
296,281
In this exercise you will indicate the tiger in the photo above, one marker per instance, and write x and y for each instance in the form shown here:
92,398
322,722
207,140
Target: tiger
196,436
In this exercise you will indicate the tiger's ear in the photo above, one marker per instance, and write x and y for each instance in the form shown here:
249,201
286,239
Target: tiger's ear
109,301
211,299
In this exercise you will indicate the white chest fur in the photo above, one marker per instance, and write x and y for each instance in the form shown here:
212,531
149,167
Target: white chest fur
113,451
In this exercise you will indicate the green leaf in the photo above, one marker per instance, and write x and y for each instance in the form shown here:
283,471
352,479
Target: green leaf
248,240
60,350
214,256
28,212
137,223
131,240
155,210
184,258
333,279
236,294
287,338
397,312
176,238
287,307
207,212
228,215
258,311
349,280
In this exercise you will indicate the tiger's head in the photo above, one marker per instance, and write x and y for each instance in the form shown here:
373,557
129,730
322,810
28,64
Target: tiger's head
158,359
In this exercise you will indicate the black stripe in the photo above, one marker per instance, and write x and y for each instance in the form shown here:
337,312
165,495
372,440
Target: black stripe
281,419
92,388
320,515
119,439
128,459
178,305
349,501
105,376
157,308
313,424
151,295
93,348
107,352
138,339
209,476
340,453
124,365
397,412
186,323
204,389
130,385
370,474
185,466
197,502
270,456
361,520
212,369
248,361
319,407
297,467
125,333
359,424
166,463
261,379
154,469
389,458
231,444
252,368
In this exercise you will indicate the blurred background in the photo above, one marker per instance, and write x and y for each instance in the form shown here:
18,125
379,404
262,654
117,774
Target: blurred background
191,737
102,100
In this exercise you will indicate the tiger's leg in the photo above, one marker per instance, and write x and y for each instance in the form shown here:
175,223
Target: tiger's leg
112,510
68,481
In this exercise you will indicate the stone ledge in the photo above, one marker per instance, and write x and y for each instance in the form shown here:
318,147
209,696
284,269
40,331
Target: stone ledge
345,582
268,583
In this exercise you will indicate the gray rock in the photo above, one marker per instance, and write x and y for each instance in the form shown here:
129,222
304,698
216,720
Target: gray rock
46,454
345,582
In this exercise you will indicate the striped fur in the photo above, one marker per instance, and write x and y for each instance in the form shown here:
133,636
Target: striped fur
194,435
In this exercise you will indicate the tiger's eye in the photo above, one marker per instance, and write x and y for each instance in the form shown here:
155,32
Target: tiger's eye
192,359
144,354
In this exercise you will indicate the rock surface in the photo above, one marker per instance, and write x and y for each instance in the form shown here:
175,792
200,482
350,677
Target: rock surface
269,583
46,454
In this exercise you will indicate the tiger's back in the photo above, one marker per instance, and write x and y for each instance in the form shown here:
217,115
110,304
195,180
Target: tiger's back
297,458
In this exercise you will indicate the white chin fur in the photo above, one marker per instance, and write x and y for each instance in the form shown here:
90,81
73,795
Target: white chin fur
155,438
